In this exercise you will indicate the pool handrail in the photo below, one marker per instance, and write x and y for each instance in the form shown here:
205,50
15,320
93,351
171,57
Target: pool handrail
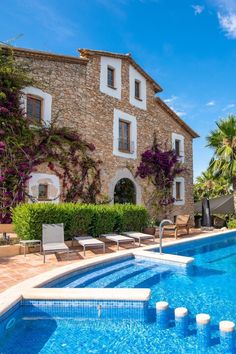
164,221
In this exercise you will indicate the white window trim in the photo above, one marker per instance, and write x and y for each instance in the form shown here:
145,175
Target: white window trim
39,178
179,137
182,190
135,75
115,64
46,102
119,115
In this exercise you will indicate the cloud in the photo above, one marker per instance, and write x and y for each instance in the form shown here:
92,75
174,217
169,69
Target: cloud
171,99
229,106
210,103
174,103
198,9
226,12
228,24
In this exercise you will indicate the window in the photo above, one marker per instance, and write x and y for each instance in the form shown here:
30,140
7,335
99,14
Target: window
124,136
34,108
43,192
111,77
137,86
178,191
177,147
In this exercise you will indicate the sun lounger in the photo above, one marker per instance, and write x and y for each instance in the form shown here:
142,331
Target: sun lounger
139,236
53,239
182,222
89,242
118,239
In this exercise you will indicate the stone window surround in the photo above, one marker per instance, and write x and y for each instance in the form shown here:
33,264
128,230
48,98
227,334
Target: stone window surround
120,115
52,182
135,76
46,102
179,137
120,174
182,190
115,64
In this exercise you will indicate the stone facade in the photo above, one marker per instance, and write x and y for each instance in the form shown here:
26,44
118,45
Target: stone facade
77,102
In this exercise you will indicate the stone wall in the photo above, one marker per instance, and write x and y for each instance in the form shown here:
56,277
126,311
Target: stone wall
78,103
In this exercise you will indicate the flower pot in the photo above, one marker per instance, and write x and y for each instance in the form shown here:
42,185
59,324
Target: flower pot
151,230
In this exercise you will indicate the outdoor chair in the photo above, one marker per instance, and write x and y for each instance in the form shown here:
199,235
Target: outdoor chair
139,236
89,242
53,239
182,222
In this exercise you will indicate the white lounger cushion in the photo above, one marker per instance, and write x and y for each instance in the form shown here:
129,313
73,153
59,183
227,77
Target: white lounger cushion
138,235
55,247
117,238
88,241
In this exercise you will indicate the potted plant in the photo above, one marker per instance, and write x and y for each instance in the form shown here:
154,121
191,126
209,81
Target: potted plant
151,227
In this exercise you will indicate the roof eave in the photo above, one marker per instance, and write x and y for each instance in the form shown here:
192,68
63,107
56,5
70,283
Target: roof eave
89,52
29,53
177,118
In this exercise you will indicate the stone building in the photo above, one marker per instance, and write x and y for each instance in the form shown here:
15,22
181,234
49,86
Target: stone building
113,102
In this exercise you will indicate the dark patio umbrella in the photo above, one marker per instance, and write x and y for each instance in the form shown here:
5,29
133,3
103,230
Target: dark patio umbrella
206,213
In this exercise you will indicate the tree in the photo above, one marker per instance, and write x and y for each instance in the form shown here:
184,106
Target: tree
24,146
208,186
160,167
223,141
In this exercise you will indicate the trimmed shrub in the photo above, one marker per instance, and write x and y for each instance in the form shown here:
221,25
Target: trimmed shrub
131,217
78,219
232,224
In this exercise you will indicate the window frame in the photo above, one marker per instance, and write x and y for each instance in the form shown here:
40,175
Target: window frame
178,196
111,69
137,84
121,139
43,198
181,140
39,99
181,184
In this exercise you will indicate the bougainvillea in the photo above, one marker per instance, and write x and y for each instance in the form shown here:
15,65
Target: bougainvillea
24,146
160,167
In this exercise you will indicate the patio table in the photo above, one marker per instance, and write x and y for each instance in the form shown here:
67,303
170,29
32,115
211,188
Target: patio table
24,243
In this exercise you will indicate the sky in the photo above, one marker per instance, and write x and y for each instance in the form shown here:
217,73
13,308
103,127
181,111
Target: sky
187,46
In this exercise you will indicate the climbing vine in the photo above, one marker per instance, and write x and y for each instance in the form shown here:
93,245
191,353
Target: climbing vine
25,145
160,167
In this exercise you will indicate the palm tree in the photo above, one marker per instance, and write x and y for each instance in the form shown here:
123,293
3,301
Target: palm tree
223,141
207,185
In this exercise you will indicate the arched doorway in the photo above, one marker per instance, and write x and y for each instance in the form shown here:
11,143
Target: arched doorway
125,191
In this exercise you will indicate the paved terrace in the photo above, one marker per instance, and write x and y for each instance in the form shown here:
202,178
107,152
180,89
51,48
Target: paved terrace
18,268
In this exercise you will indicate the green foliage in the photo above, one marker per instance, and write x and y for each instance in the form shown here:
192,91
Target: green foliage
131,217
210,186
223,141
232,224
78,219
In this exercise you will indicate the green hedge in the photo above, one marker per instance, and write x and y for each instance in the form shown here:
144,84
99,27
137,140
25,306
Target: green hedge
232,224
78,219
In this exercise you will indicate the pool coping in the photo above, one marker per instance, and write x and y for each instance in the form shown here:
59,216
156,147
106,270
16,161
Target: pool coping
13,295
114,294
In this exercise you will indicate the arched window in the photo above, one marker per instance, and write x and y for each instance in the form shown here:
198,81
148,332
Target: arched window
125,191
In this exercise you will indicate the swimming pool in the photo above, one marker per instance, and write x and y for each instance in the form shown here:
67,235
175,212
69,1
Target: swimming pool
208,285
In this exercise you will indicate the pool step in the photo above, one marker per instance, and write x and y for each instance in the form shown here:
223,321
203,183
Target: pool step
164,257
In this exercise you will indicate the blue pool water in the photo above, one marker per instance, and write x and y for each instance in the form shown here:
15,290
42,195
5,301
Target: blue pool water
208,286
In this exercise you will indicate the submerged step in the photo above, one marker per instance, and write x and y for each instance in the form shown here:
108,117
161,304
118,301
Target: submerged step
164,257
